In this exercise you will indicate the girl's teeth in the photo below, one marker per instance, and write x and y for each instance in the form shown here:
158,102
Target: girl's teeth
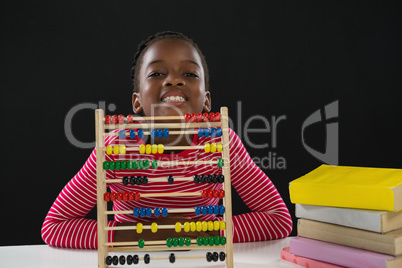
174,99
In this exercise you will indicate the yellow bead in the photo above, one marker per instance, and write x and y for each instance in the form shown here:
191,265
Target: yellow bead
198,226
148,149
161,149
123,149
154,148
154,227
219,147
192,226
204,226
213,147
177,227
142,149
109,149
216,225
139,227
207,147
116,149
222,225
210,225
187,227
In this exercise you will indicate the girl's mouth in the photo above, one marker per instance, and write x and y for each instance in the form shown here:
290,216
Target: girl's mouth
174,99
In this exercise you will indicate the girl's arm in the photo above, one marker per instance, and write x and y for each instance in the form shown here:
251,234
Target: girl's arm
270,218
65,224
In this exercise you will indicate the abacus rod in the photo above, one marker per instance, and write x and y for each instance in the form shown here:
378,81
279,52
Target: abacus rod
155,243
141,118
171,163
149,133
172,210
155,179
165,125
128,149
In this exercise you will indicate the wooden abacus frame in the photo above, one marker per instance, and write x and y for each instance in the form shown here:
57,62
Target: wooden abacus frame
103,244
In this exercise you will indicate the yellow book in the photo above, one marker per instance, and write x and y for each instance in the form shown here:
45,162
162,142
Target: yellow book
350,187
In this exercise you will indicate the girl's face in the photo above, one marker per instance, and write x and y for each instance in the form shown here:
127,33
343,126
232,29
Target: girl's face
171,80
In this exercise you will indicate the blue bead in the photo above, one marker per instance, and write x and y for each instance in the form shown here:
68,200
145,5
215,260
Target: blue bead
213,132
216,209
157,212
140,133
153,133
221,210
210,210
201,132
166,133
159,132
136,212
197,210
132,133
164,212
149,212
218,132
142,212
206,132
204,210
122,134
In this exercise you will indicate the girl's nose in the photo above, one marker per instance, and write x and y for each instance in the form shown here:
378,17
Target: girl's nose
174,80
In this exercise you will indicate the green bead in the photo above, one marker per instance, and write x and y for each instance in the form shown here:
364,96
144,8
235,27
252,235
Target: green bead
106,165
220,162
123,165
154,164
199,241
146,164
175,242
187,241
118,165
223,240
129,165
205,241
181,241
112,165
135,164
141,243
169,242
217,241
211,241
140,164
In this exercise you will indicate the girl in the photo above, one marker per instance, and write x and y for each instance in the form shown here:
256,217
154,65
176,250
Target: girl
170,77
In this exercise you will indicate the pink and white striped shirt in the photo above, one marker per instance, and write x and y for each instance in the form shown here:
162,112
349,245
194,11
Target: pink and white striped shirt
65,225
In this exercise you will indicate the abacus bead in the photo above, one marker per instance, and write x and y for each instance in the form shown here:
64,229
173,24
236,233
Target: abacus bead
136,259
193,118
135,164
108,260
220,162
129,259
214,178
204,226
159,133
106,165
130,119
221,178
213,132
122,260
218,132
154,149
139,180
148,149
132,133
196,179
140,133
139,228
154,227
222,225
205,117
216,209
221,193
217,117
199,117
137,196
210,210
106,196
221,210
198,226
157,211
108,119
142,212
216,225
204,210
131,196
132,180
209,256
187,118
172,258
154,164
209,178
181,241
169,242
153,133
115,260
114,119
199,241
175,242
125,196
213,147
215,256
186,226
207,147
206,132
166,133
170,179
211,241
197,210
177,227
116,149
211,117
148,212
117,165
109,149
200,132
192,226
219,147
140,164
215,194
125,180
119,196
223,240
203,178
161,148
141,243
203,194
187,241
146,164
112,165
164,212
144,180
217,241
112,196
210,226
129,165
122,134
121,119
209,193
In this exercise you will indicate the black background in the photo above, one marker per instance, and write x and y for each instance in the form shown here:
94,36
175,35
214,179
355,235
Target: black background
280,59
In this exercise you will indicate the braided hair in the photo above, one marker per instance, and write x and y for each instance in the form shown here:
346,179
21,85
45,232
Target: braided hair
144,45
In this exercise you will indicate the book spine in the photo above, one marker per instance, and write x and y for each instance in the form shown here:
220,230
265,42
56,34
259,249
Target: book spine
305,262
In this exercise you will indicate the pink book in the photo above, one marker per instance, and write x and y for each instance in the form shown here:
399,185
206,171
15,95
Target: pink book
305,262
342,255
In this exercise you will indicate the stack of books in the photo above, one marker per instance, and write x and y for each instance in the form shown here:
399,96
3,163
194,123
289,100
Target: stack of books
347,217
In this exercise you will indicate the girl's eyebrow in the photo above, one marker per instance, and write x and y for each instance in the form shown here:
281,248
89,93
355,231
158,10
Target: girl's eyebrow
158,61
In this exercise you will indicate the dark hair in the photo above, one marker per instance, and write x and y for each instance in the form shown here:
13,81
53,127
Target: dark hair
144,45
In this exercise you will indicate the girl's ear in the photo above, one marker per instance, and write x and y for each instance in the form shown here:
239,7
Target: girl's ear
137,106
207,102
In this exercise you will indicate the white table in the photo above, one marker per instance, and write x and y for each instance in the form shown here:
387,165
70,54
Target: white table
246,255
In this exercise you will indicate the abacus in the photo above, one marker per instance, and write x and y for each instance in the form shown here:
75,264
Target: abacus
212,124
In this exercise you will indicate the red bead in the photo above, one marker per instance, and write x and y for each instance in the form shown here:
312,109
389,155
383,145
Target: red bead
215,194
217,117
187,118
114,119
125,196
199,117
212,117
121,119
193,117
205,117
106,196
113,196
119,196
131,196
108,119
130,119
221,193
209,193
137,196
203,194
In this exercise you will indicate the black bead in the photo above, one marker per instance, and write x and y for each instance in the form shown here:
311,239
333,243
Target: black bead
170,179
221,178
215,256
132,180
125,180
196,179
215,178
129,259
209,178
222,256
147,258
202,178
136,259
139,180
115,260
209,256
144,180
108,260
172,258
122,260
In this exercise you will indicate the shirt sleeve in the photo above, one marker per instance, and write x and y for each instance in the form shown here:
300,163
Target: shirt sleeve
270,218
65,224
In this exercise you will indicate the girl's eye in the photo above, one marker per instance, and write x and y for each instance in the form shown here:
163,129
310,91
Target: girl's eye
191,75
154,74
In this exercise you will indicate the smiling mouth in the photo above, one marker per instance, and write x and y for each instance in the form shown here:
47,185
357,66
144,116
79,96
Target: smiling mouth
174,99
